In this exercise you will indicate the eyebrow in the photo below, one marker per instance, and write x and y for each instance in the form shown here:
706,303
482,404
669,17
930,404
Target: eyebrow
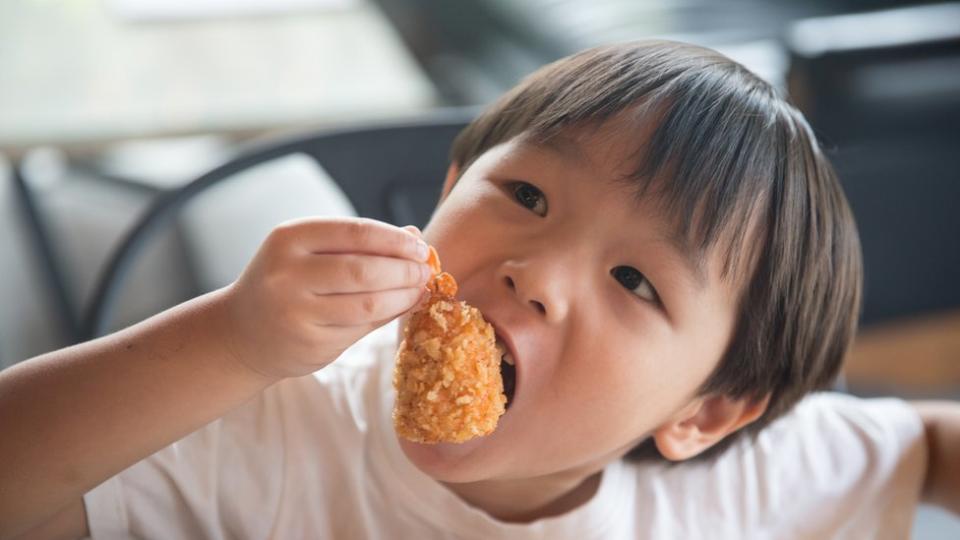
565,147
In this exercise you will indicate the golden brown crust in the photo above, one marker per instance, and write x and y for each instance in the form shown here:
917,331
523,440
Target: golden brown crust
447,374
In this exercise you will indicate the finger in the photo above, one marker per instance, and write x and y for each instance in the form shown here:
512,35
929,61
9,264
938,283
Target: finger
354,235
369,327
414,229
364,308
340,274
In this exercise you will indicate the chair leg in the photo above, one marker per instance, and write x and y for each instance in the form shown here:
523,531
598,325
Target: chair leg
50,265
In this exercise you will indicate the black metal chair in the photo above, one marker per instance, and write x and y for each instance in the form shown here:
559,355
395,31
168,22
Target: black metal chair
391,172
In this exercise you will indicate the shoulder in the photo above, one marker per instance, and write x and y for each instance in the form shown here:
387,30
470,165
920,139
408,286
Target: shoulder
845,466
831,441
835,466
843,425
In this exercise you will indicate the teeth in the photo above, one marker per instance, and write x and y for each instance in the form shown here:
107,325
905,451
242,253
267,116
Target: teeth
505,353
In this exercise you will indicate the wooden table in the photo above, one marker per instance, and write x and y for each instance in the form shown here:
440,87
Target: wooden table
914,357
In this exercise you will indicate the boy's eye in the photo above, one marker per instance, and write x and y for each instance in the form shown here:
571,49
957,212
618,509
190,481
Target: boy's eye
530,197
635,282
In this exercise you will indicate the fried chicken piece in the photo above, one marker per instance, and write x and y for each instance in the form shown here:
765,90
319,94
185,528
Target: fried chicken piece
447,375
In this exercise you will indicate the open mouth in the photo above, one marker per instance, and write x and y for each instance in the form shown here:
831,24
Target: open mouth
508,370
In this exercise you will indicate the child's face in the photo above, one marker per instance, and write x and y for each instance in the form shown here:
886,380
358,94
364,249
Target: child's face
532,235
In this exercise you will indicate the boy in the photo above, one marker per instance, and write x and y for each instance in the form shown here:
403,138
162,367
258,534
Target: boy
668,258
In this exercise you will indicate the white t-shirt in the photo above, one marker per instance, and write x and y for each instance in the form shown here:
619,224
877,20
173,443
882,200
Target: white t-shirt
316,457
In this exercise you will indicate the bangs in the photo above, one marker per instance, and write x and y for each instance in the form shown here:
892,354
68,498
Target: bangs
709,160
711,163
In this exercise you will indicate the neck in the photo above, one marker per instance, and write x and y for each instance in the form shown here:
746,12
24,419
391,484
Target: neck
529,499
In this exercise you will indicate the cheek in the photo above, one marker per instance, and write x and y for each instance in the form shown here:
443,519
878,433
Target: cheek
632,383
601,408
446,219
462,228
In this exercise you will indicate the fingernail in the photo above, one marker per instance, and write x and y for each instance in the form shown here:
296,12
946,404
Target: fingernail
425,272
414,229
422,250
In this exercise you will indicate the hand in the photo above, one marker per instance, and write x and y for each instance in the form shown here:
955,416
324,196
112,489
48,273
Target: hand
316,286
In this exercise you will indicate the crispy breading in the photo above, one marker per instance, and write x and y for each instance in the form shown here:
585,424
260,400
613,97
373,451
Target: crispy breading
447,374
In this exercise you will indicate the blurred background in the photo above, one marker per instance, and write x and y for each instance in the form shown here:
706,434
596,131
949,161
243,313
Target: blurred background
109,109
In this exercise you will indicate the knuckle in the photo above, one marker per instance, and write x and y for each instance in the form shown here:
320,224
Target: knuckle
369,305
286,227
282,235
357,272
358,231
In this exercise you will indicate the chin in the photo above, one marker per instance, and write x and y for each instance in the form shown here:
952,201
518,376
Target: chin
449,462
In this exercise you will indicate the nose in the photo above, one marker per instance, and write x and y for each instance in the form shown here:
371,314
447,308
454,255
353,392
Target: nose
541,286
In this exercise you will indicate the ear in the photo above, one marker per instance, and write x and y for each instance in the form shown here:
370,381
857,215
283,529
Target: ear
704,422
453,173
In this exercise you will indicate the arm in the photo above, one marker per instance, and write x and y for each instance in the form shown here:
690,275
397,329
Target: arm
75,417
941,421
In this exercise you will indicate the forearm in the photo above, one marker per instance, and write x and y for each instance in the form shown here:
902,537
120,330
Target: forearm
72,418
941,421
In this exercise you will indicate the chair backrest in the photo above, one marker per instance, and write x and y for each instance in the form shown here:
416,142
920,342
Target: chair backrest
390,172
